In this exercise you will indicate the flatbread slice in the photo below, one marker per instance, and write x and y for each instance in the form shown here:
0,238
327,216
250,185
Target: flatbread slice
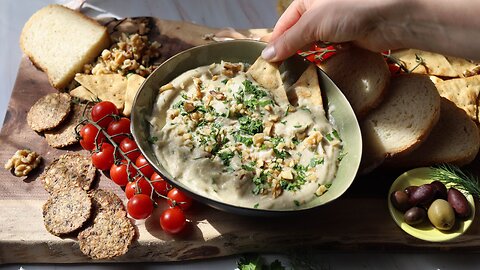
464,92
134,81
68,171
306,90
83,94
66,211
64,135
431,64
49,111
267,75
107,87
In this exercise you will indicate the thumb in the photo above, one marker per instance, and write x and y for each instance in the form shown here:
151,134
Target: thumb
300,34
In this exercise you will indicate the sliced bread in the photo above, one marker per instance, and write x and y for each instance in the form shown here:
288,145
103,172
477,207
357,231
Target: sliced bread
403,120
455,139
361,75
61,41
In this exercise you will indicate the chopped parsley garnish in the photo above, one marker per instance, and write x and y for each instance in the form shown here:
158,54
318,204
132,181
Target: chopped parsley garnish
253,90
152,139
226,157
276,140
281,154
329,137
242,139
225,81
287,111
297,203
297,126
256,205
295,141
249,166
315,161
335,134
341,156
250,126
260,183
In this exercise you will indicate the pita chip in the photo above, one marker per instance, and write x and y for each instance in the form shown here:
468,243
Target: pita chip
431,63
267,75
107,87
83,93
464,92
134,81
306,91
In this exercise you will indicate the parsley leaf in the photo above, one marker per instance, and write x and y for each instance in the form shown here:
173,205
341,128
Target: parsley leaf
315,161
226,157
250,126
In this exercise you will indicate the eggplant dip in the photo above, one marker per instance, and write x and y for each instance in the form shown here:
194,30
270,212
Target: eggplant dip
236,135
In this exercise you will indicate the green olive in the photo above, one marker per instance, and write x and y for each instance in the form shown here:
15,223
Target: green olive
441,215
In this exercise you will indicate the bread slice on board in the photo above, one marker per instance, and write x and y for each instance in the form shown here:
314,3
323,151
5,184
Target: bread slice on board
61,41
455,139
403,120
361,75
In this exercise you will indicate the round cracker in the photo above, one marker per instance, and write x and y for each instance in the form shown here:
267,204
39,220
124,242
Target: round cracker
49,111
67,211
110,235
67,171
64,135
104,200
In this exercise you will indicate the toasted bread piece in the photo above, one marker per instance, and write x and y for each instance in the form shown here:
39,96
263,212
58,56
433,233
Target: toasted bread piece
455,139
361,75
403,121
61,41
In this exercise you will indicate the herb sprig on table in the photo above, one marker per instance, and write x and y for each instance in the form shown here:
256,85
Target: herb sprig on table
453,175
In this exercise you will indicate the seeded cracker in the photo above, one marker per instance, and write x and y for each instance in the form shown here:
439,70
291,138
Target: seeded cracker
64,135
49,111
66,211
67,171
110,235
104,200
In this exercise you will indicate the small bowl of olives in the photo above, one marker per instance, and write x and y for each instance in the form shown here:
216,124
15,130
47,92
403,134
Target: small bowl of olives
427,209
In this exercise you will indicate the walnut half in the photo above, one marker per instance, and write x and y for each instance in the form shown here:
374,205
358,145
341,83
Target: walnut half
23,162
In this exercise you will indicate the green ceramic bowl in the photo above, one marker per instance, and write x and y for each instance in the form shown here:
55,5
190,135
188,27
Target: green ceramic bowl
247,51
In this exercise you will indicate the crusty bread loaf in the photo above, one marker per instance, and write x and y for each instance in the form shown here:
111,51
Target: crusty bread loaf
403,120
455,139
362,75
61,41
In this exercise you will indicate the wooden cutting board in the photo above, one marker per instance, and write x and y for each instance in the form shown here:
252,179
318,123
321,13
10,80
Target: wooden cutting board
359,220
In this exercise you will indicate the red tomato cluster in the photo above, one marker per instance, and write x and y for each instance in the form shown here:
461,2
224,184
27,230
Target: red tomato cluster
117,153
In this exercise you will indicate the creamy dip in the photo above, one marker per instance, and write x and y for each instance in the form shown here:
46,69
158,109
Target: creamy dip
222,135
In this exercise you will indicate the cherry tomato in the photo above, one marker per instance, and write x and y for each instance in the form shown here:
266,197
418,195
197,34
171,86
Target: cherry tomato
173,220
129,146
119,126
159,184
178,198
88,134
143,166
143,188
101,110
394,69
140,206
103,159
119,175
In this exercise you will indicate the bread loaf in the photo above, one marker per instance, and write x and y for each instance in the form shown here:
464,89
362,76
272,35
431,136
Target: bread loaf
61,41
403,120
361,75
455,139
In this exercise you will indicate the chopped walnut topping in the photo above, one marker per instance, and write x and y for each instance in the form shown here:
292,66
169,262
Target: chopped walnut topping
320,190
23,162
166,87
230,69
217,95
188,106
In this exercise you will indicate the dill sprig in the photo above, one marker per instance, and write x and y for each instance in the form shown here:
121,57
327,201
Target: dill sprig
451,174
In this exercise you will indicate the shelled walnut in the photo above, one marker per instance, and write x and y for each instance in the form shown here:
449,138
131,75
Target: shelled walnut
23,162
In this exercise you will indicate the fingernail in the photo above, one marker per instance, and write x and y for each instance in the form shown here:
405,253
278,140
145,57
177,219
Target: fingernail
268,53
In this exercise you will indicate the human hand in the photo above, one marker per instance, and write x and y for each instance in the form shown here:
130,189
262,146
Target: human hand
307,21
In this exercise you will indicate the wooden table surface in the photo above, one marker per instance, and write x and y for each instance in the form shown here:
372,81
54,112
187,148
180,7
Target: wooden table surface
342,226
